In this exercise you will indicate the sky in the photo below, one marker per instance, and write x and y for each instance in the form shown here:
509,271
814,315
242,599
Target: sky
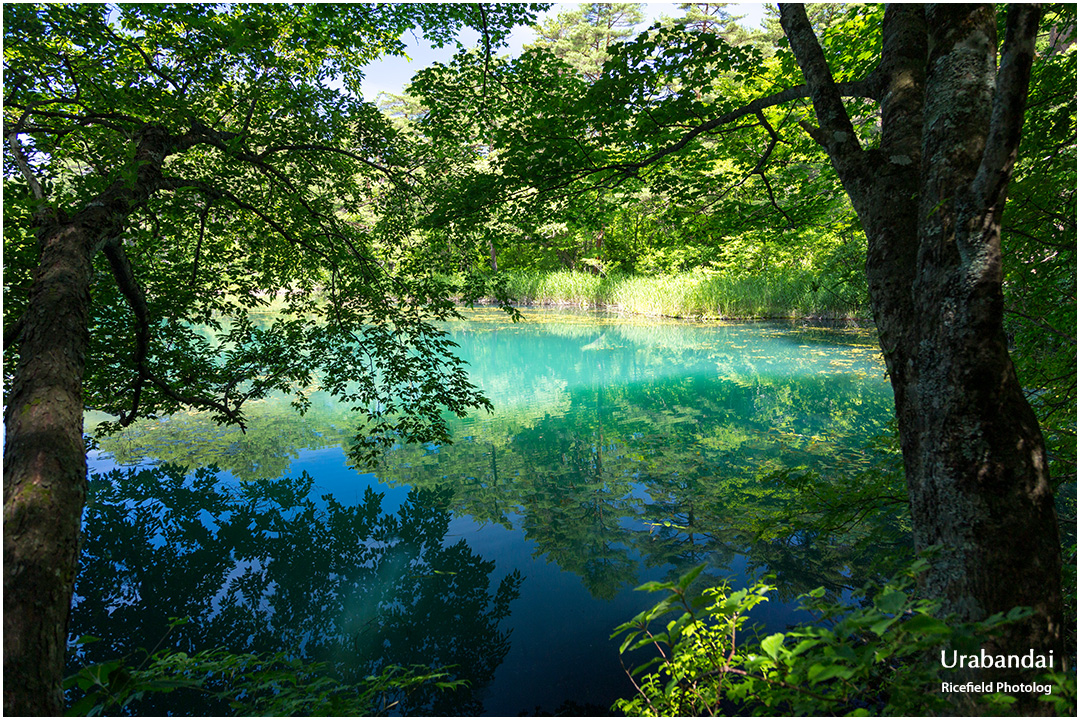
392,74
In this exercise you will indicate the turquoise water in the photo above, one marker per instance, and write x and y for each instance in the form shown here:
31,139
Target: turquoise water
620,451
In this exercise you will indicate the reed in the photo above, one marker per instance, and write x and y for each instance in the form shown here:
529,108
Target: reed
781,293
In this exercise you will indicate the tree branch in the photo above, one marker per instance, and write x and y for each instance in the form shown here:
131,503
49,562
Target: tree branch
24,166
131,42
327,148
232,415
216,193
109,120
136,299
198,245
836,134
1042,324
860,88
14,332
1007,115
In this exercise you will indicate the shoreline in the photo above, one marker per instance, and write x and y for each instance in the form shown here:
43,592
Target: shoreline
827,319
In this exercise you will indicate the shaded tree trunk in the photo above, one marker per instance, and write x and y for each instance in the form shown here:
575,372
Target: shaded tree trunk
45,473
930,202
44,453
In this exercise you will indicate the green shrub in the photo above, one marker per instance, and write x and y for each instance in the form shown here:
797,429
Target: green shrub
876,657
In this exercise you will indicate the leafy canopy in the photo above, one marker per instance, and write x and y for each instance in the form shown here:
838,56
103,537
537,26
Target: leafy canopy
234,152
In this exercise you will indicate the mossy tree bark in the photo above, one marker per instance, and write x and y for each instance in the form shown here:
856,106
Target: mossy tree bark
44,453
45,474
930,199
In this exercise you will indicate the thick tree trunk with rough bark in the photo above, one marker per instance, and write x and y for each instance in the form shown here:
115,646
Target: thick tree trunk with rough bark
44,453
45,473
930,201
985,478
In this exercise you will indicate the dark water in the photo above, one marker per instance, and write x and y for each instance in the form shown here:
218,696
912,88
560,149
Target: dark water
620,451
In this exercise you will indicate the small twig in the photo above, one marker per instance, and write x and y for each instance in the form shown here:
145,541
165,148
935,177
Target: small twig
1071,339
636,686
131,42
216,193
327,148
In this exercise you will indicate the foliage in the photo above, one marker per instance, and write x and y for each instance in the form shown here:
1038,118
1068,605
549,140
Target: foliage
559,185
874,655
247,684
1039,251
775,292
234,170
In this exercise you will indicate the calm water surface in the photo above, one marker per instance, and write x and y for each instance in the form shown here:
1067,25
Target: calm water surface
620,451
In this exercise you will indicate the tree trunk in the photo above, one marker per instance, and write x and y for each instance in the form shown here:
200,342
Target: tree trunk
45,474
44,453
930,202
979,462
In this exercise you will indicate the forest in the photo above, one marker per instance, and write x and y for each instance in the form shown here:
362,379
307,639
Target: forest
744,317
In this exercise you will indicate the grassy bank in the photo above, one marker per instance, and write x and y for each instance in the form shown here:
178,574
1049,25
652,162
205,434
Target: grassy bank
692,294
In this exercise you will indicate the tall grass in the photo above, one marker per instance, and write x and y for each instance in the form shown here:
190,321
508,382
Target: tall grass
781,293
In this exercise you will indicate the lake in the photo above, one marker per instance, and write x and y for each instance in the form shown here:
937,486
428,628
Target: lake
620,450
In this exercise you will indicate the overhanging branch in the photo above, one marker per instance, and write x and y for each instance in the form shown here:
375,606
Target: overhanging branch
868,87
136,299
125,278
215,193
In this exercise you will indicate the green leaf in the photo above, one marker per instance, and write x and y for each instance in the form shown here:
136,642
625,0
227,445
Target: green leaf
772,644
890,602
645,666
84,707
819,673
881,626
804,645
1019,613
629,639
925,625
689,577
654,586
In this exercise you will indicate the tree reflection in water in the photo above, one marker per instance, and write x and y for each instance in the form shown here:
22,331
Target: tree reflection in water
620,451
266,567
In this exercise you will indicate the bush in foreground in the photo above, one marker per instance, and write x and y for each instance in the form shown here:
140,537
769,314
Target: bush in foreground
879,657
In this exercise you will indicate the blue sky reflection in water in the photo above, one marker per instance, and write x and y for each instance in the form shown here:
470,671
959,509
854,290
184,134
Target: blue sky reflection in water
621,450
